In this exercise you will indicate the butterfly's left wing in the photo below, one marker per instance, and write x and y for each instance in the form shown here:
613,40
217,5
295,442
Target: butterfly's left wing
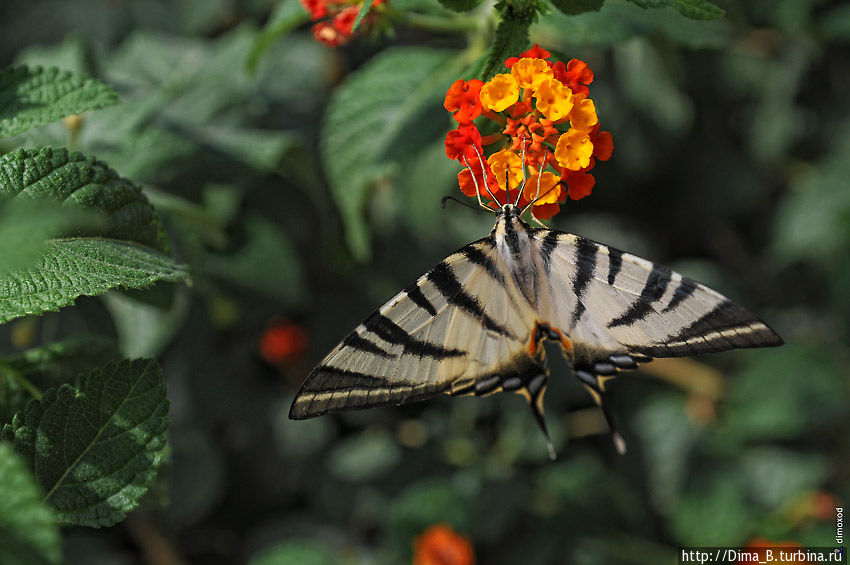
460,328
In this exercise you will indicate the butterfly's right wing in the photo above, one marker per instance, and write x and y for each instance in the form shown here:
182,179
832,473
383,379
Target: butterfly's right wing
616,304
452,331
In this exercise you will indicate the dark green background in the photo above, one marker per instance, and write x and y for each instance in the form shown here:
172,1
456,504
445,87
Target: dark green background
731,164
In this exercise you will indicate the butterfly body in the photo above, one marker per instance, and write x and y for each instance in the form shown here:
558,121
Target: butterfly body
474,324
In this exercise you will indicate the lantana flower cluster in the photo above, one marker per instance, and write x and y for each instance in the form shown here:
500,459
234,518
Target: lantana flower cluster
335,19
544,111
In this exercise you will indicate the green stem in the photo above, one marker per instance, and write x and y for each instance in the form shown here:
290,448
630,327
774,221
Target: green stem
18,377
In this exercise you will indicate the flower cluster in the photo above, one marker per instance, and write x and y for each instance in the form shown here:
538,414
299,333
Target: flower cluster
335,19
544,114
441,545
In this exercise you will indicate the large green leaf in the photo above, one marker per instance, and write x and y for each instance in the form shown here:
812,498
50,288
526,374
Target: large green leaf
28,535
33,97
368,114
124,246
77,180
95,448
26,225
82,267
27,374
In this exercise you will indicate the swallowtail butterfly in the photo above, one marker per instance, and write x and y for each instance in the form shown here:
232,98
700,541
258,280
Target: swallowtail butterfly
475,323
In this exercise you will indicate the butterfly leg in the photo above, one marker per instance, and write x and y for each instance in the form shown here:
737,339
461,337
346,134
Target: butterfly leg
533,389
595,385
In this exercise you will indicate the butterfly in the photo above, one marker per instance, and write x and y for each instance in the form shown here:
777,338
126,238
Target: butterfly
475,324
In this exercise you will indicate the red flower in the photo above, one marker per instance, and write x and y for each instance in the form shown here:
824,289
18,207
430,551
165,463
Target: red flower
318,8
535,52
461,141
575,74
323,32
603,143
462,99
282,342
343,22
579,184
440,545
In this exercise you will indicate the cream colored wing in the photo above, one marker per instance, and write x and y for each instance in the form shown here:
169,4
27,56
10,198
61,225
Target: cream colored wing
459,329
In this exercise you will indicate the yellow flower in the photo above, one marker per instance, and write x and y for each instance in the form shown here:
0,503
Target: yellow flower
554,100
501,92
574,149
583,114
506,164
531,72
548,193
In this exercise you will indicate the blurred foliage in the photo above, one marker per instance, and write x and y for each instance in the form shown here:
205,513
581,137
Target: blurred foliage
303,183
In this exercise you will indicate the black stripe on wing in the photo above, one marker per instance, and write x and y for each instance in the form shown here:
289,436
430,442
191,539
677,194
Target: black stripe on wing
653,290
392,333
447,283
726,326
329,388
586,254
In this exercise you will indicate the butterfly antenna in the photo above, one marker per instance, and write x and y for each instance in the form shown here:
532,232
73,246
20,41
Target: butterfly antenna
477,190
445,199
522,168
538,196
483,175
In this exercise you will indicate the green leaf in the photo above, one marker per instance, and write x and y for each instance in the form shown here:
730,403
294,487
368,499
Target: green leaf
617,22
267,263
27,374
368,455
26,225
84,182
287,15
460,5
573,7
28,534
714,512
368,114
295,552
33,97
95,448
82,267
694,9
364,9
511,39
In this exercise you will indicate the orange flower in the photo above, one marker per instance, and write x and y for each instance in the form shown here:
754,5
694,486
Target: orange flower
463,99
529,73
440,545
283,341
532,105
574,150
554,100
506,166
500,92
